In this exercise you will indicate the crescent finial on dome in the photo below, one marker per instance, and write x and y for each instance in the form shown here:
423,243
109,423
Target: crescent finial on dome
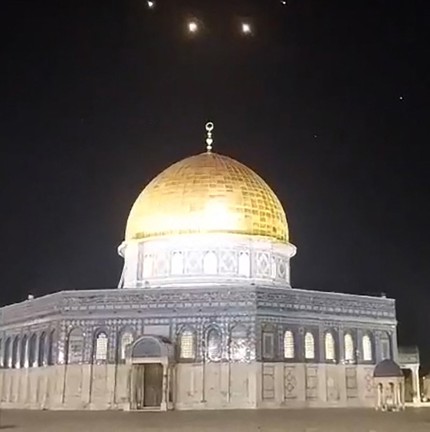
209,139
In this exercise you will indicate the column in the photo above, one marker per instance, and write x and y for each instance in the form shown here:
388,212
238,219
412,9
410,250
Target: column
416,385
164,387
399,396
36,352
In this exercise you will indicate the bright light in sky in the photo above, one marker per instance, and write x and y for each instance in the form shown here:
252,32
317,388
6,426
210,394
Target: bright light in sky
246,28
151,4
192,26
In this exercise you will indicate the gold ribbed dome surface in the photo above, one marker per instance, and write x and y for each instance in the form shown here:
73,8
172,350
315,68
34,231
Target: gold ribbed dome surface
207,193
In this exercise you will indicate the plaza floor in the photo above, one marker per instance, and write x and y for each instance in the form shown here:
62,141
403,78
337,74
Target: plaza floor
315,420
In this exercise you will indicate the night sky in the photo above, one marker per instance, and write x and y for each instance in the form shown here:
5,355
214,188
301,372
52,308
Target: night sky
327,101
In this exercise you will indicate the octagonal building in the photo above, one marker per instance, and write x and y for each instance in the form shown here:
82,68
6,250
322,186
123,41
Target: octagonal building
204,316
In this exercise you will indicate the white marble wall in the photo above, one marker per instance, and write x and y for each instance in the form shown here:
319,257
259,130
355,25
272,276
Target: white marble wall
196,386
74,387
195,259
274,385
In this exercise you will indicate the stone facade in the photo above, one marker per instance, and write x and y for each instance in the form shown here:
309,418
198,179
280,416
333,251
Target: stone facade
67,351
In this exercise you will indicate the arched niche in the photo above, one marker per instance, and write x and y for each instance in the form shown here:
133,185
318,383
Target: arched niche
210,263
151,347
244,264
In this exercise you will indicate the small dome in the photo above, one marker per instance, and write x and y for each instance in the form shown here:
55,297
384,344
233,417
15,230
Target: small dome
387,369
207,193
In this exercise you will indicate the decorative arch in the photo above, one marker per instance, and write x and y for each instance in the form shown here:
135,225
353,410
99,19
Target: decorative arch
287,271
7,358
23,353
349,347
187,344
15,353
239,350
273,268
75,346
289,345
51,342
41,355
385,342
177,263
244,264
148,264
330,347
309,346
367,347
210,263
214,344
100,346
32,351
126,339
152,347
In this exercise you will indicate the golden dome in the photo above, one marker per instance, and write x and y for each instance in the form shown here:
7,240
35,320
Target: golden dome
207,193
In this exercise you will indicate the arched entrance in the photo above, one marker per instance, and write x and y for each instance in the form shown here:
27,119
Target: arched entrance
151,374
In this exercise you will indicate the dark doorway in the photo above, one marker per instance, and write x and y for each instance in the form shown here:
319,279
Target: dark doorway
409,389
153,385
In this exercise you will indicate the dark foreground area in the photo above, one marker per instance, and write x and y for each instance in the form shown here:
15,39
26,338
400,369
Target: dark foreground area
316,420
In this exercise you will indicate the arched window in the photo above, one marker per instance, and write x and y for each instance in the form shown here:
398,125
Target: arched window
41,359
177,263
239,343
101,347
330,349
15,353
367,348
23,354
273,268
210,263
214,345
147,266
244,264
187,345
289,345
7,358
349,347
139,264
125,342
309,346
385,346
75,348
32,346
51,342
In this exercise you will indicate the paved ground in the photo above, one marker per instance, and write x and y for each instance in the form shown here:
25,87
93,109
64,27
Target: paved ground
329,420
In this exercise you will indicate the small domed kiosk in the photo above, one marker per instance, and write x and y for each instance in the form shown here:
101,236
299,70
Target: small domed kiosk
389,384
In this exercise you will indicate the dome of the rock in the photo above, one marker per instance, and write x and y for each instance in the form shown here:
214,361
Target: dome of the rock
207,193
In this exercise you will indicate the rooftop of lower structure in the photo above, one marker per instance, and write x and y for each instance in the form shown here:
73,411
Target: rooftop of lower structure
409,355
112,303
